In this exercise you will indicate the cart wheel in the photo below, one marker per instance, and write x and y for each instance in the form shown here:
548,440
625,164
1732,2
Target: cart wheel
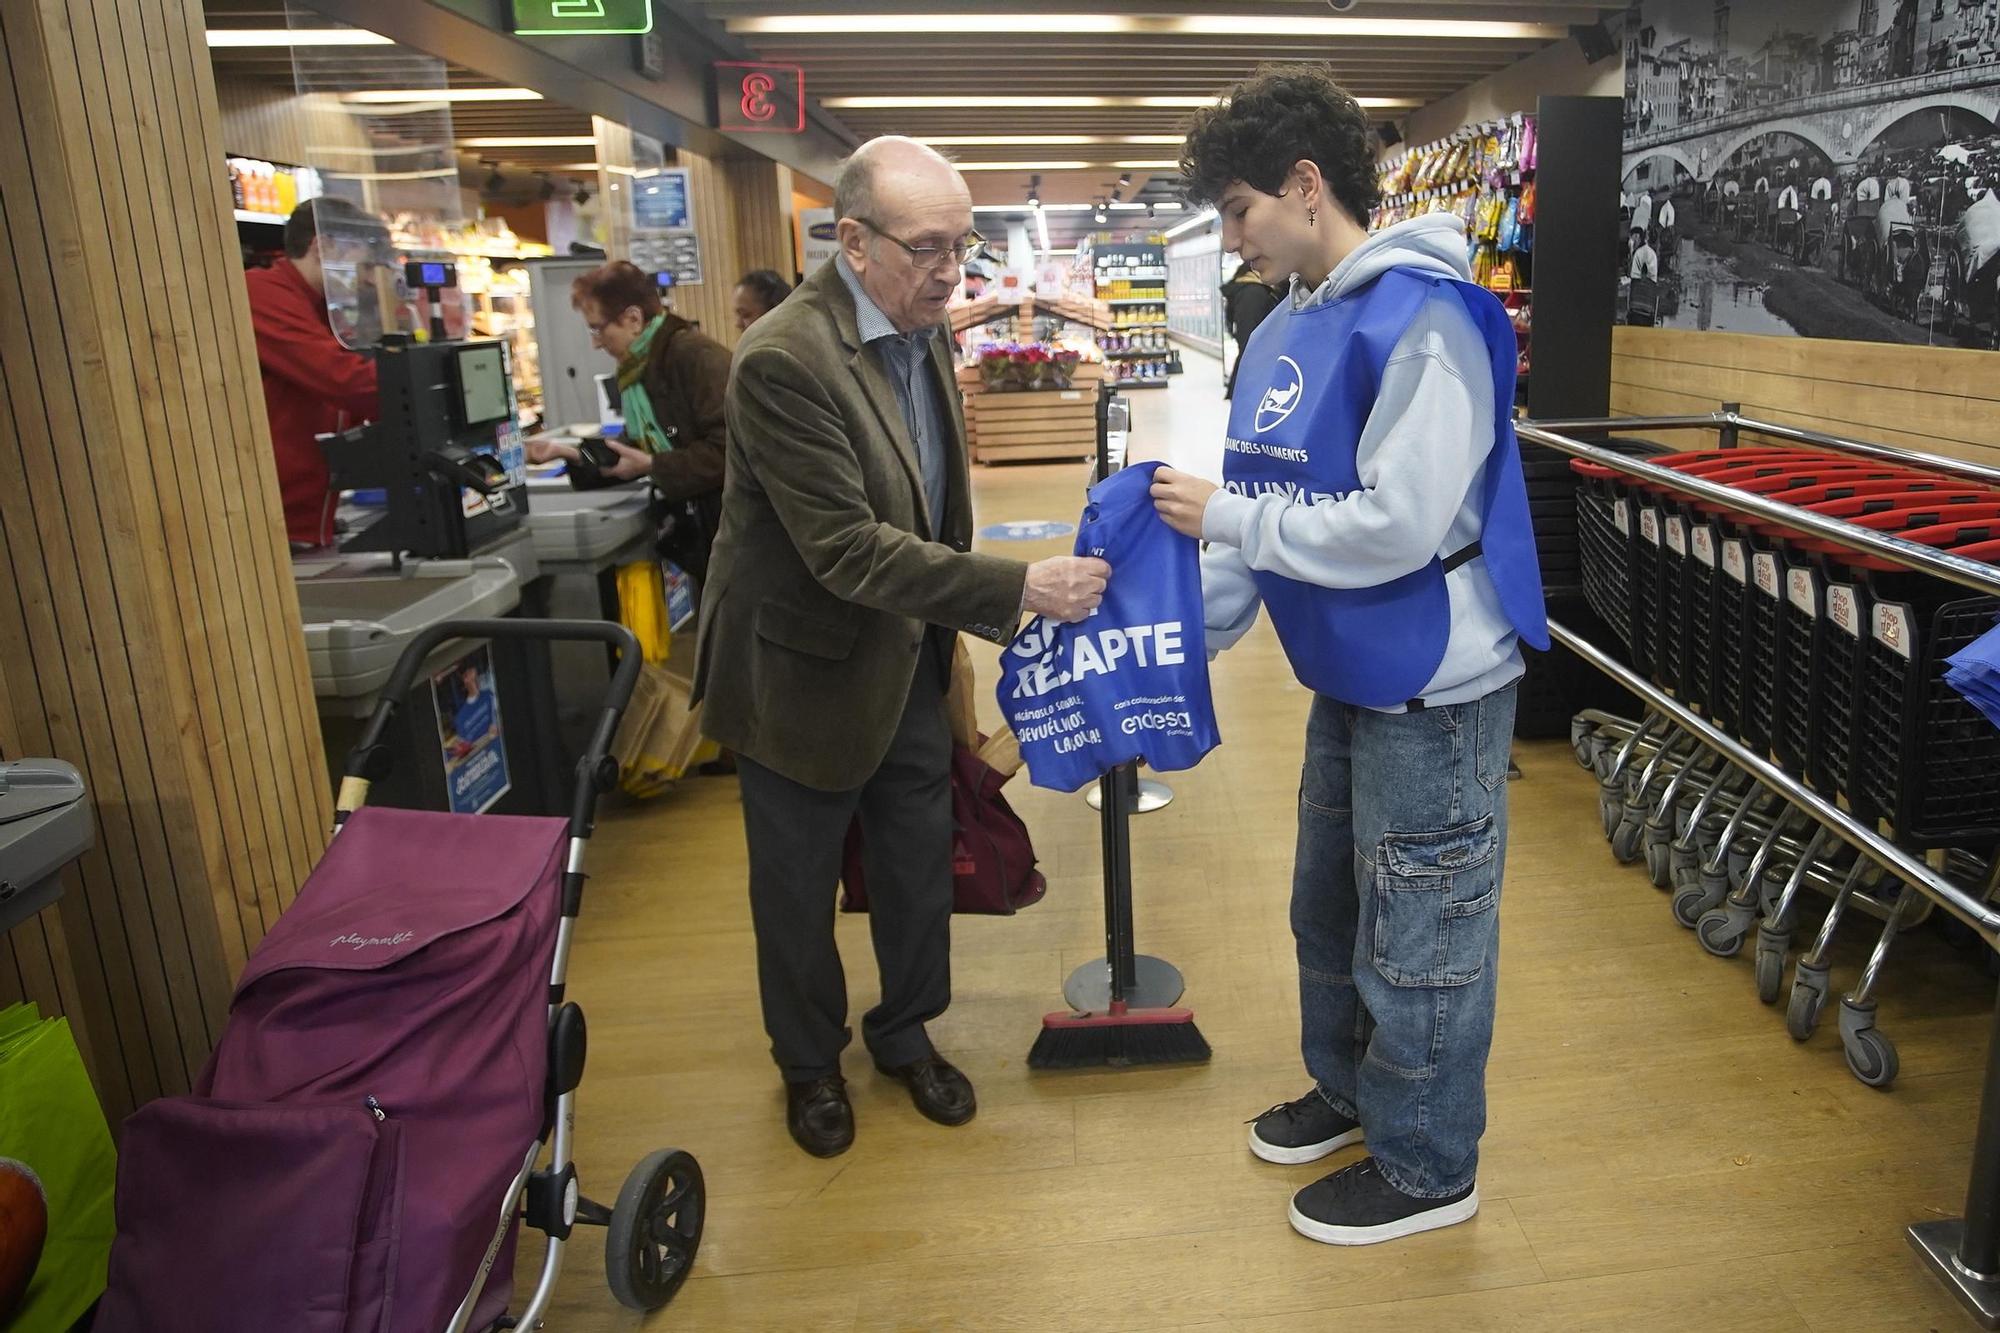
655,1230
1610,808
1770,973
1719,934
1808,998
1625,837
1871,1057
1580,741
1659,861
1687,868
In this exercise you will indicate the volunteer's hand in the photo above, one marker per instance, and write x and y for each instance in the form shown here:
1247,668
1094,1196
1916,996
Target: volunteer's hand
1066,587
1180,499
548,451
632,463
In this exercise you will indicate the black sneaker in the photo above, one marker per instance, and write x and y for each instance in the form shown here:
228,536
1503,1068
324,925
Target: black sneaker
1357,1205
1306,1130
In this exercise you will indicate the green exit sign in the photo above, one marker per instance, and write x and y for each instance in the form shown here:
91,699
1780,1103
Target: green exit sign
575,18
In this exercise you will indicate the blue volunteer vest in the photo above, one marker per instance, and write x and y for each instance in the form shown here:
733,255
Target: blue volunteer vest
1308,381
1130,681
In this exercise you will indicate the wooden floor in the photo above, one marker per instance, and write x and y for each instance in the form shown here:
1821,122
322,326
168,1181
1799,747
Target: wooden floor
1660,1154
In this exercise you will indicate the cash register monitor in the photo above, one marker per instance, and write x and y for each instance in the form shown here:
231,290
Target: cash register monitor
482,384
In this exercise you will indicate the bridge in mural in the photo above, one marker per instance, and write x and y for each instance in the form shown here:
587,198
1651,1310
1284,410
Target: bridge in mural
1843,124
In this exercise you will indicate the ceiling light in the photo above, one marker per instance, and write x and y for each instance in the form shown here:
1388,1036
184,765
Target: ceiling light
296,37
1045,140
533,141
1201,219
1034,199
1023,208
974,103
1124,180
375,96
1042,229
582,195
1212,25
1065,166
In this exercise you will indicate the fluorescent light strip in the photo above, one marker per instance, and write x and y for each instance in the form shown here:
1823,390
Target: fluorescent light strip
1214,25
975,103
533,141
1045,140
1067,166
243,37
1203,218
1168,207
1042,229
381,96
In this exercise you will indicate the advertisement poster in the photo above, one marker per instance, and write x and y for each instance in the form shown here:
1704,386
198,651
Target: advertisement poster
1822,170
820,241
468,718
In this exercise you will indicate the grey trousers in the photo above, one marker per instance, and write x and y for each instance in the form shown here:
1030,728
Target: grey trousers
796,836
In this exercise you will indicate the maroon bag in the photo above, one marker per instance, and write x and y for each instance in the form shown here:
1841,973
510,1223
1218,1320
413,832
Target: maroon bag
992,857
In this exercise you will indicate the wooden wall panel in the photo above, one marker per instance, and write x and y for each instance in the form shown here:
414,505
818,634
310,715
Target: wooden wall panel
1940,400
152,627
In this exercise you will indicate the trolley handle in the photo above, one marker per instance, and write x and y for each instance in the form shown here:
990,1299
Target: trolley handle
596,770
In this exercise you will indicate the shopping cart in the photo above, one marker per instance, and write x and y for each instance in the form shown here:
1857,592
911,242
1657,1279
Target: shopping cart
364,1144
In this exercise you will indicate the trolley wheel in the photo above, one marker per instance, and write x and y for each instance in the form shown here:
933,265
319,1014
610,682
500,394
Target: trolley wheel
1626,835
1580,741
1871,1057
1689,903
1603,760
655,1230
1719,934
1659,862
1687,868
1610,808
1770,973
1808,998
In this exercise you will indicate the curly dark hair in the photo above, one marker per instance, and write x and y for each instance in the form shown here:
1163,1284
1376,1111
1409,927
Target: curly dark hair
1283,115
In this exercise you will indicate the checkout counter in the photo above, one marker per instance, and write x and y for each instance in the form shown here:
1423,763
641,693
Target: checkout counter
458,530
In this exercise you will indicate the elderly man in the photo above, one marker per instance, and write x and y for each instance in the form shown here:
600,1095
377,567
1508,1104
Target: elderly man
840,579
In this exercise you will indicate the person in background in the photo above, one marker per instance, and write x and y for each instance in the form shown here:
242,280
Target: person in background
1374,503
313,385
1246,301
672,380
1645,259
757,294
842,577
975,283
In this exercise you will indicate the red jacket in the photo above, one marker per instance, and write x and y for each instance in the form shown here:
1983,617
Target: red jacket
312,385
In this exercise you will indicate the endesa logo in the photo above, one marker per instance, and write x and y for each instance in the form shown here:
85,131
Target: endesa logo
1288,385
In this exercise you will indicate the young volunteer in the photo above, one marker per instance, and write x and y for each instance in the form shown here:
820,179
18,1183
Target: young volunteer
1373,500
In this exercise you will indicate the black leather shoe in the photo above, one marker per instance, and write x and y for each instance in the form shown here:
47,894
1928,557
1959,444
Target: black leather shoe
939,1090
818,1114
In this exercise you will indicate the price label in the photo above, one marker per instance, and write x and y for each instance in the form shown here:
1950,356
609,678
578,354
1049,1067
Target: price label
1892,629
1677,537
1799,584
1842,608
1767,575
1649,526
1734,562
1621,517
1702,539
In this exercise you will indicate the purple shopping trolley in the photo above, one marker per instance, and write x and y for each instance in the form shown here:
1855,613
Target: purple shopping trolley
369,1135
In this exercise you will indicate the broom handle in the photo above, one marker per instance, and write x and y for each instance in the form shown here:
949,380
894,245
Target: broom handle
1126,965
1108,794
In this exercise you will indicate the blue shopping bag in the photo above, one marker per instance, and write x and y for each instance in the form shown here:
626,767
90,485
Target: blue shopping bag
1974,671
1131,680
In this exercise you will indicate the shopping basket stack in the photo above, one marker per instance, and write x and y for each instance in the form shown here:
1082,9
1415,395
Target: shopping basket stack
1827,661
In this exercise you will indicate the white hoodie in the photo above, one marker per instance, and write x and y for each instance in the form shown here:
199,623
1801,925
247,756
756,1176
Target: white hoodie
1421,461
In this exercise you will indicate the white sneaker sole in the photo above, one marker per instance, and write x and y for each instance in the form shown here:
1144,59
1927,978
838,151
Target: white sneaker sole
1326,1234
1311,1152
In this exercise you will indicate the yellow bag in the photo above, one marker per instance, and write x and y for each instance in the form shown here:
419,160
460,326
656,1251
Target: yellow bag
642,605
659,738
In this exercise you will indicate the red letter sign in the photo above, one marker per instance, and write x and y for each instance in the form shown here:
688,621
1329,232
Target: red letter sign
759,99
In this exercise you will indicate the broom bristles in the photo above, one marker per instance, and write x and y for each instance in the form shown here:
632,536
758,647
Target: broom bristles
1135,1037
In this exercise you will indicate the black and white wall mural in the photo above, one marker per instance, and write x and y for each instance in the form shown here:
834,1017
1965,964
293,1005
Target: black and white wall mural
1821,168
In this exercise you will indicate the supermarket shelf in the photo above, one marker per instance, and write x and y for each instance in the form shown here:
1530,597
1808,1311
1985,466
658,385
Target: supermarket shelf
1139,384
1137,300
265,219
1130,353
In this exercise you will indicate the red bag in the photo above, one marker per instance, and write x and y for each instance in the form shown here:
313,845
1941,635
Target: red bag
992,858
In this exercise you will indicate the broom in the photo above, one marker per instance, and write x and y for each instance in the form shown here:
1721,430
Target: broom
1120,1035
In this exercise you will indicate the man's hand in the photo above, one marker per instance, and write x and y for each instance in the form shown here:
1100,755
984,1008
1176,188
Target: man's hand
1066,587
632,463
1181,499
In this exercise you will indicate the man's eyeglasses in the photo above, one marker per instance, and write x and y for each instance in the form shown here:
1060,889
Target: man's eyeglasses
932,256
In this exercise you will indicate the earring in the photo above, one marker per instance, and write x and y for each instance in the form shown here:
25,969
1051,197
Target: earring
1312,216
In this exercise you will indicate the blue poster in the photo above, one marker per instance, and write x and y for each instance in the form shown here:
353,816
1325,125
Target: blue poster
468,715
660,201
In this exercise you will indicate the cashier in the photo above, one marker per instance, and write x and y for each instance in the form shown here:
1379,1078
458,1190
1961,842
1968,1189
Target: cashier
312,384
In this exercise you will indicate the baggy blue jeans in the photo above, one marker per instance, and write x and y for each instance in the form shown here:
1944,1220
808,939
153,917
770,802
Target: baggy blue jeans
1395,909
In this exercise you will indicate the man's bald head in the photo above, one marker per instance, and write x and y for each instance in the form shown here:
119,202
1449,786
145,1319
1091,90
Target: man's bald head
902,206
883,171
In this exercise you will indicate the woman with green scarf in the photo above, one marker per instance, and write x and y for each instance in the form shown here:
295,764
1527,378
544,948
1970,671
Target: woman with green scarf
672,380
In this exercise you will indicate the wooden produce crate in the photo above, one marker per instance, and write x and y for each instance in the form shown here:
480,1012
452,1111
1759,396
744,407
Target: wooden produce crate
1036,425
